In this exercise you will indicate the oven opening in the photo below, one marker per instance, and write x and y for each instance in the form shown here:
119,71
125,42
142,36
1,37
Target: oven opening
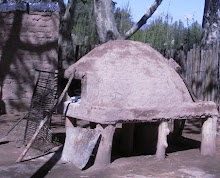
74,90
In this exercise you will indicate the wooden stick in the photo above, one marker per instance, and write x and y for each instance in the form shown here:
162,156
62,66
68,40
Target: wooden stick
66,88
43,122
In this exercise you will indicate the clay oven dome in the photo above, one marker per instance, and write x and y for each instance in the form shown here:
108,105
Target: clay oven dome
130,80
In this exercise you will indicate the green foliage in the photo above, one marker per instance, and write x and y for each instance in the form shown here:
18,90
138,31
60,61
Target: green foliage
84,28
123,19
162,33
195,33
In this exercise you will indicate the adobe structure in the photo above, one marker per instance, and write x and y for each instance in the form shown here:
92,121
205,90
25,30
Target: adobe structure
129,82
28,41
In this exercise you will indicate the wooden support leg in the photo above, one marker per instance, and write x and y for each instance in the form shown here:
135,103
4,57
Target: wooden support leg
162,144
208,144
103,156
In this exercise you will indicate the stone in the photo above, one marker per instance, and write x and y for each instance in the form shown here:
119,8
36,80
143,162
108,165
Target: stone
79,145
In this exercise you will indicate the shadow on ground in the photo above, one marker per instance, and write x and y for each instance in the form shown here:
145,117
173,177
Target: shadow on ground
183,159
43,170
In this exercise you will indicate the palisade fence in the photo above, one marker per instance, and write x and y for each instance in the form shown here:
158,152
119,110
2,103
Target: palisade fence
201,69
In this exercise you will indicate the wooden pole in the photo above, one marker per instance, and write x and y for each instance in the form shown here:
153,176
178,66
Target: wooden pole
162,144
32,139
65,89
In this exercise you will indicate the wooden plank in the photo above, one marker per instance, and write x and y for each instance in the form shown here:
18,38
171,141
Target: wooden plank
204,75
194,67
197,70
183,62
208,76
190,67
199,92
215,74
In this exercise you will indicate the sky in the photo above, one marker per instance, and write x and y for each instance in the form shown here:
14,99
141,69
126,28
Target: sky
178,9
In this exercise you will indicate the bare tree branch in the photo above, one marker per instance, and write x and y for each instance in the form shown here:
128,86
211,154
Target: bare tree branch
143,20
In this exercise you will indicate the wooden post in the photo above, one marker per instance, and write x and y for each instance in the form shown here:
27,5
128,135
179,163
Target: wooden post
208,144
103,156
162,144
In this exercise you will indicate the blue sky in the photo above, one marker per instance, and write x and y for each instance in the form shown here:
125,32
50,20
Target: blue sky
179,9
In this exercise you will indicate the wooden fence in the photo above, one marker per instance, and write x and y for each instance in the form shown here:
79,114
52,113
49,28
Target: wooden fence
201,70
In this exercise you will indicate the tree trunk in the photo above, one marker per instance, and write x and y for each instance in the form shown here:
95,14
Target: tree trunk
105,22
211,23
65,39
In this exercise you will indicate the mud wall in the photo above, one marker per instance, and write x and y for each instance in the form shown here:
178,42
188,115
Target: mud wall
28,41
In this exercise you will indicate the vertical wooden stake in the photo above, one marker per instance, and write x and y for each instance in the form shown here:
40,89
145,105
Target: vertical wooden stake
208,144
162,144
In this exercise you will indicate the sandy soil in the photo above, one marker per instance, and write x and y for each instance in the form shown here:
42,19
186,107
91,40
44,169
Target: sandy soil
183,160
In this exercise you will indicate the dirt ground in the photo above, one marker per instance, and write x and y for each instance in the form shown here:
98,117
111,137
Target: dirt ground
182,161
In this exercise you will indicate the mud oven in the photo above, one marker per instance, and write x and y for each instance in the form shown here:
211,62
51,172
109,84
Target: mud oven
129,82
